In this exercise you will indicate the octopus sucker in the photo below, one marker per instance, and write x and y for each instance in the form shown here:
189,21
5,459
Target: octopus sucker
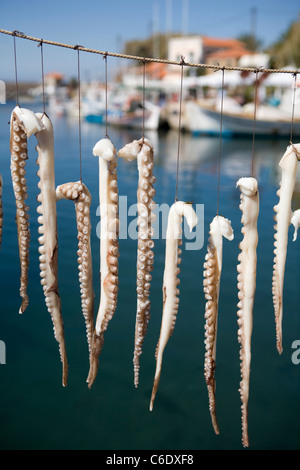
23,124
109,248
246,288
48,240
219,228
142,150
171,280
80,195
1,210
283,218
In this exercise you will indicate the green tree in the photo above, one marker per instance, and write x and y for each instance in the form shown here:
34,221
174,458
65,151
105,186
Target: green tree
251,42
286,51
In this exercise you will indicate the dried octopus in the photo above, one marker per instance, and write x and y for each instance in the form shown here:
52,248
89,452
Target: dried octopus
219,228
23,124
81,196
142,150
48,229
247,287
283,218
109,247
1,209
171,281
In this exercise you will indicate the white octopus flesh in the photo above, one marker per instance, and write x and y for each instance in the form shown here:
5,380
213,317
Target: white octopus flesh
23,124
219,228
283,218
109,247
247,286
81,196
48,230
171,281
142,150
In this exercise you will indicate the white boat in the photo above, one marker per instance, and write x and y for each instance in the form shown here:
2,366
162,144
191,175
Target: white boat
203,116
130,117
269,121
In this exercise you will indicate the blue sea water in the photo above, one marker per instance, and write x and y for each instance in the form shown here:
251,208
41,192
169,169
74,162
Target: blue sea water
36,412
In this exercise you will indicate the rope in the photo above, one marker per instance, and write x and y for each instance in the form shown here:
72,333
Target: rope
146,59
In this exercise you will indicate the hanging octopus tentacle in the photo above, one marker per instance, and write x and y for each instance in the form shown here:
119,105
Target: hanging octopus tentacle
283,219
142,150
1,209
247,286
295,220
81,196
171,281
109,247
23,124
48,230
219,228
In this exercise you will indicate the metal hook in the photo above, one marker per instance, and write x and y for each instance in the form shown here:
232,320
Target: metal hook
18,33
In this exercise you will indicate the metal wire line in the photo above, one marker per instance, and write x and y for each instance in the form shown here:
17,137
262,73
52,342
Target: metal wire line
179,129
220,143
146,59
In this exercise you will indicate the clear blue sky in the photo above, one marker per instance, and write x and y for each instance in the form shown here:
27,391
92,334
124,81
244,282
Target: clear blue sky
107,24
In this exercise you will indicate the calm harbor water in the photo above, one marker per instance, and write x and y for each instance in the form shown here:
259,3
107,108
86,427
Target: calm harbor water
37,413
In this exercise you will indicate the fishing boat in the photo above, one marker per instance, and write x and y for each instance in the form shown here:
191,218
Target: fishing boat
272,117
134,117
269,121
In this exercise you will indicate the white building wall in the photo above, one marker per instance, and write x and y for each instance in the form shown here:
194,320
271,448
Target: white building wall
191,48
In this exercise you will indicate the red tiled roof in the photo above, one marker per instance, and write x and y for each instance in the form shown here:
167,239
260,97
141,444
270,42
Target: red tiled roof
155,69
56,75
235,52
221,43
